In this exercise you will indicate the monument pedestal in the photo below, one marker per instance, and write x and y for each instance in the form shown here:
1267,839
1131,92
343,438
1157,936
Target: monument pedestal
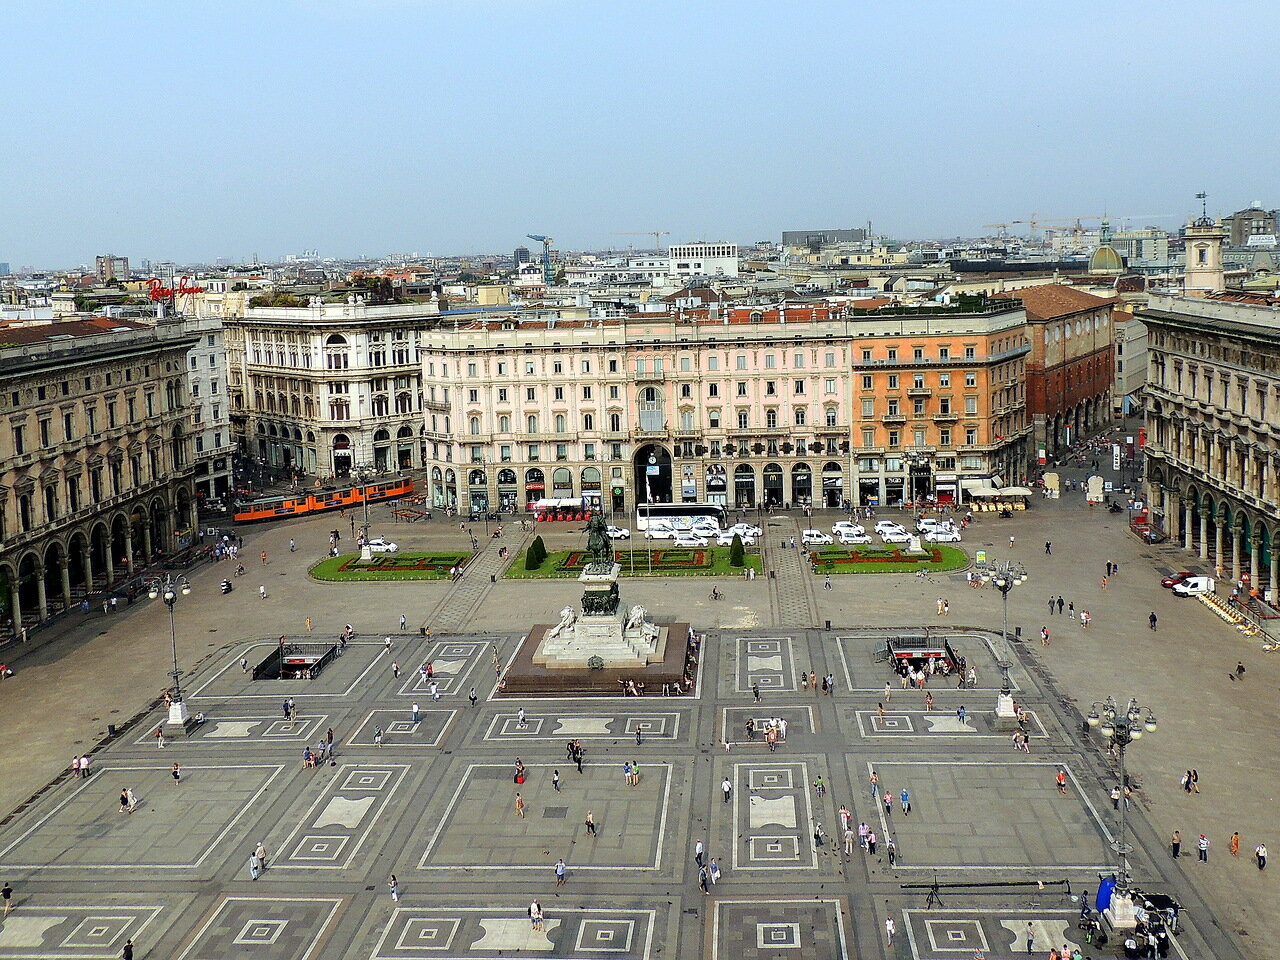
601,636
1006,716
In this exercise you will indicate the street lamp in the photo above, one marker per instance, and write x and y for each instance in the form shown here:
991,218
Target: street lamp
1121,728
363,472
167,588
1005,576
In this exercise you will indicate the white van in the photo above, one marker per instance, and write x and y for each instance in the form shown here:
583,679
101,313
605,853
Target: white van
1193,586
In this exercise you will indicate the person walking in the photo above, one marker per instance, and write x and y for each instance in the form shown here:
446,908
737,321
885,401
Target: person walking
1151,620
262,591
1061,778
395,669
891,850
176,773
699,852
1059,606
875,785
590,824
1010,543
308,624
416,715
1175,844
1202,848
159,735
1260,854
127,952
519,806
6,894
1031,937
261,853
726,787
435,690
713,871
1044,636
871,843
1234,844
404,622
377,736
472,696
703,881
826,583
255,867
849,838
906,802
755,691
393,885
1048,547
560,869
890,928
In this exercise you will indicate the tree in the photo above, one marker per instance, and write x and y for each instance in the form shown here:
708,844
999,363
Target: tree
737,555
536,553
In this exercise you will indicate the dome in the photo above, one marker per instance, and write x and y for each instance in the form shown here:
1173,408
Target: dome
1106,260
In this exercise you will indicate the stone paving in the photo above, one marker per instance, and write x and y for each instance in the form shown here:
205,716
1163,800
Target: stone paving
434,804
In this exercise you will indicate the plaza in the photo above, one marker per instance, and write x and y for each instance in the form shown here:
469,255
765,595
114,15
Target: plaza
433,802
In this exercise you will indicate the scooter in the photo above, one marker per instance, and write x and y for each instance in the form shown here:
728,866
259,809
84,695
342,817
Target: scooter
1115,508
226,586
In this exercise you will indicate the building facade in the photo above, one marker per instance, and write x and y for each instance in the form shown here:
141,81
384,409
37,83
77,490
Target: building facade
740,405
1252,226
328,389
1212,450
211,440
95,459
1070,369
703,259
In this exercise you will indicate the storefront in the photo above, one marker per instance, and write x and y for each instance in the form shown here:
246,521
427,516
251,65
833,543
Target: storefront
773,493
802,485
535,485
508,496
744,486
717,484
946,488
591,487
561,482
478,491
832,485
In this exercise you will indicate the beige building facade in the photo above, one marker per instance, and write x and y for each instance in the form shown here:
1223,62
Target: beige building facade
95,460
804,404
1212,448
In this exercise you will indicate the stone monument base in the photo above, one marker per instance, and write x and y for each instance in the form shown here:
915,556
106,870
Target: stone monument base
1006,716
527,677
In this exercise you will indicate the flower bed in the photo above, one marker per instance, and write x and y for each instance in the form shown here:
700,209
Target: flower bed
387,566
665,562
937,558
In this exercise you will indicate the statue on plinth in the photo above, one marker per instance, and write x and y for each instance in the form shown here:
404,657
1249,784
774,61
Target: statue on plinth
567,617
599,545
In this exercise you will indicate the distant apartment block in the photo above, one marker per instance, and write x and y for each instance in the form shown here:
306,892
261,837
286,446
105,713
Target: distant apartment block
704,259
111,267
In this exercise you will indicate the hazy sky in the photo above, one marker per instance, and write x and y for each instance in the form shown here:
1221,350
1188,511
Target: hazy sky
192,131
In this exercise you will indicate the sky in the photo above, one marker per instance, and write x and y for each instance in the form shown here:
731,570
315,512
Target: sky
190,132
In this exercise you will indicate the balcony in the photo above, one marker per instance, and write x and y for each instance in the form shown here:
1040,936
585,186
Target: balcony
891,418
441,406
950,416
919,392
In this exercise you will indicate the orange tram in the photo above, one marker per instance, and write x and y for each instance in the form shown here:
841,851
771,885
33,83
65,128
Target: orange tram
274,508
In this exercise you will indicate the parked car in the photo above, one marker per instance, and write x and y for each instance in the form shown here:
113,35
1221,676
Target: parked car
848,538
846,526
726,538
815,538
929,524
888,525
708,530
382,545
617,533
687,539
746,529
660,533
942,535
1193,586
896,536
1176,578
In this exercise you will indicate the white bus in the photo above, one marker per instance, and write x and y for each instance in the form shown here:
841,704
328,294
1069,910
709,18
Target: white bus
679,516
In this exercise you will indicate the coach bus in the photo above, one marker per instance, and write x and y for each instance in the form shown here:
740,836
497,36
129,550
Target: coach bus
679,515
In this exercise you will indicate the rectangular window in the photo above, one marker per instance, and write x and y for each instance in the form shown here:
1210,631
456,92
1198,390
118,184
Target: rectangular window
586,366
917,353
868,408
829,385
562,451
45,439
944,379
640,365
866,356
534,453
713,363
742,420
917,437
869,439
528,368
771,388
504,453
613,365
893,381
970,405
893,353
685,365
970,353
471,370
713,419
502,394
531,393
586,393
473,396
830,358
917,408
799,361
613,393
770,361
971,379
944,353
68,427
588,451
502,368
742,388
894,438
866,382
742,361
557,367
557,393
799,388
944,438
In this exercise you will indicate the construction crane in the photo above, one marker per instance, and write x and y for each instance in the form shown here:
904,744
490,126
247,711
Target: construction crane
547,276
656,234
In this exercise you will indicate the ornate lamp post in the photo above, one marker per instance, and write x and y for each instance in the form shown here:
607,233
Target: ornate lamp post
1121,727
167,589
1006,575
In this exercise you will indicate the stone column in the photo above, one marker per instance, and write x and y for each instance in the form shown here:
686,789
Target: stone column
1274,585
1255,560
65,571
15,605
128,547
1204,535
1172,514
1217,542
1236,532
195,523
1188,535
42,600
146,542
111,564
86,561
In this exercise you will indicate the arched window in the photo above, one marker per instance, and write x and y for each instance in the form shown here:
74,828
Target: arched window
531,423
474,425
615,422
504,424
559,423
649,394
831,416
801,416
588,421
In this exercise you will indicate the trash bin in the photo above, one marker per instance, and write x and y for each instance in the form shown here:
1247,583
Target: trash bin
771,575
111,729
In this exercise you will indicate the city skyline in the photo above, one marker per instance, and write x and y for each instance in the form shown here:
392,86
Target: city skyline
398,126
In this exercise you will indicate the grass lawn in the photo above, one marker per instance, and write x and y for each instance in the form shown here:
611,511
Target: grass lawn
399,566
887,559
667,562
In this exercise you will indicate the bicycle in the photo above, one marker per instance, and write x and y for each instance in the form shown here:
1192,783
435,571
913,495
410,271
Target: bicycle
716,595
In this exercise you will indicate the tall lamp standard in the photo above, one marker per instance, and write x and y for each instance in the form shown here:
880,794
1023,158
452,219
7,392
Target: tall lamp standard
1121,727
167,589
1007,575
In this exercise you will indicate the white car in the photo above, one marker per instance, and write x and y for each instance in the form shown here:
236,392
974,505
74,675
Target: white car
689,540
896,536
382,545
815,538
849,538
661,533
942,535
889,526
708,530
726,538
847,527
929,524
746,529
617,533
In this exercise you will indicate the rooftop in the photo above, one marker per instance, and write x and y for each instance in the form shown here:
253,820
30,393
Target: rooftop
1053,300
